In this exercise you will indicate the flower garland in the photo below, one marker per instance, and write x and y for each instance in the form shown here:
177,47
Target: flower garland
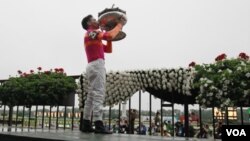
120,86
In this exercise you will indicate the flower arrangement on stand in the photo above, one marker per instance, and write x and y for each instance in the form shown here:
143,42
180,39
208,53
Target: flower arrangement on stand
49,87
226,82
120,86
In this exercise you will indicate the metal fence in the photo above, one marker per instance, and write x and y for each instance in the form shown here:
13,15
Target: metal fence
60,117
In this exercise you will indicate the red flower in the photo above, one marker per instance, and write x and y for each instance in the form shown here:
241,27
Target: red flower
56,69
31,71
39,68
61,70
192,64
243,55
47,72
221,57
19,72
25,74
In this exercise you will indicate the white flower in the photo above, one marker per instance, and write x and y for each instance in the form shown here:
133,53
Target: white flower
212,88
218,96
193,70
229,71
180,72
78,84
171,75
205,85
220,93
238,69
248,75
180,79
209,81
227,101
178,85
243,84
225,93
243,63
168,85
221,105
188,93
224,88
79,91
201,89
185,81
203,100
188,87
197,101
210,94
245,92
227,82
171,82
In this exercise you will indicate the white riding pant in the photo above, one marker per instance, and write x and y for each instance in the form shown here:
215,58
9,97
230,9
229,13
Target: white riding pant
96,75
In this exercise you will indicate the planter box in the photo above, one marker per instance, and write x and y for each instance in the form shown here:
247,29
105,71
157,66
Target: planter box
69,100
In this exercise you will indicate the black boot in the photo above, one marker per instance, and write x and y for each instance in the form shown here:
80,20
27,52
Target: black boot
100,129
87,126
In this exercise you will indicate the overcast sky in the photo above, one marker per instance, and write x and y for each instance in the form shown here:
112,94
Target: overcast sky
160,33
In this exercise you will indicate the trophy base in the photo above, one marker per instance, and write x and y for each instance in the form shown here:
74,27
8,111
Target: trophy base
121,35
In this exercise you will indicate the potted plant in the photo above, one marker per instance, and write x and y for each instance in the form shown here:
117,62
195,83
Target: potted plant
50,87
226,82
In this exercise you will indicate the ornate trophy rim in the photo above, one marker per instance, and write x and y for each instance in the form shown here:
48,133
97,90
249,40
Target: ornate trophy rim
111,10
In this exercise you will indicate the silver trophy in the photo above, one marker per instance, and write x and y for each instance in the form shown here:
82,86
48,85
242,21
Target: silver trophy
108,19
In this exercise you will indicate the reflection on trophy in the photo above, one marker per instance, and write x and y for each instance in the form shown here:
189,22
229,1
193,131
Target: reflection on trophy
108,19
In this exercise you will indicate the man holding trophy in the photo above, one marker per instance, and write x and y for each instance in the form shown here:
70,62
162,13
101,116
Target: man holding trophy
112,21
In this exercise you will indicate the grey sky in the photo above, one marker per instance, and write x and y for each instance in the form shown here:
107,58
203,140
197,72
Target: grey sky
160,33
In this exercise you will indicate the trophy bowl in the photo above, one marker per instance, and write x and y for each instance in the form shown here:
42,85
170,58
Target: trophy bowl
108,19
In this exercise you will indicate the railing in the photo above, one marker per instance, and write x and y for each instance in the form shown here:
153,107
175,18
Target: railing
43,117
61,117
25,118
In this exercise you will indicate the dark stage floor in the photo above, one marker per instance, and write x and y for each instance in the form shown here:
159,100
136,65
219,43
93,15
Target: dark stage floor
68,135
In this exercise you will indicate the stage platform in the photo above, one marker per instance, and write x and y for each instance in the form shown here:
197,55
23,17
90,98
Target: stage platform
67,135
